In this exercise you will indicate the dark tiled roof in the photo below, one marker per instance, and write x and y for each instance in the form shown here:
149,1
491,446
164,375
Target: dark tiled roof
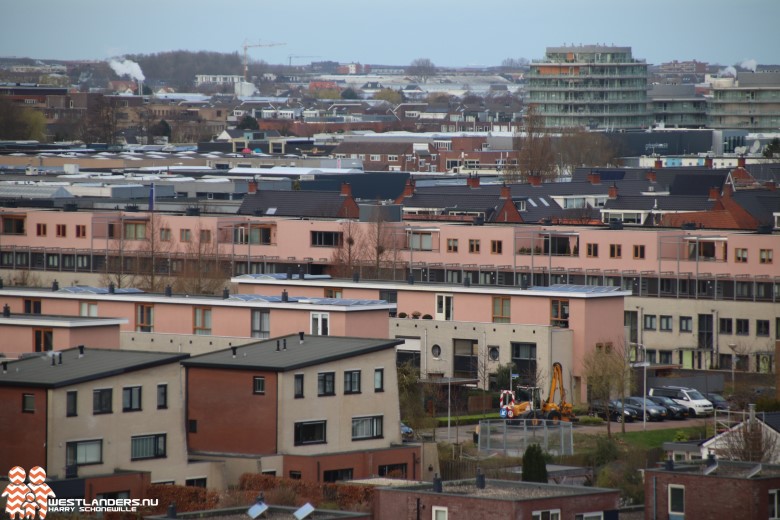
314,350
662,203
760,203
95,364
325,204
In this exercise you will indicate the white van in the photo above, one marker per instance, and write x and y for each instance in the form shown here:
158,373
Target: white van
689,397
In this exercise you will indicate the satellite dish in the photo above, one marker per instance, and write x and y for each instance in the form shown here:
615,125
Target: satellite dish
304,511
755,147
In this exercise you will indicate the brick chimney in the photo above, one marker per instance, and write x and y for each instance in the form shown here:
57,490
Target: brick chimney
346,189
613,192
535,180
594,177
409,188
741,161
472,181
714,193
770,185
251,187
708,162
505,192
651,177
659,163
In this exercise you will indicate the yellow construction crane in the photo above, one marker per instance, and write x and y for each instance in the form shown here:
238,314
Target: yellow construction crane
248,45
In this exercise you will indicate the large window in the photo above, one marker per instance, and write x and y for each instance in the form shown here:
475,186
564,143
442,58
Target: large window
131,399
501,309
28,403
421,241
43,340
335,475
298,386
162,396
32,306
326,383
560,314
665,323
327,238
686,324
524,359
319,323
258,385
261,323
649,322
71,403
743,327
352,382
147,447
202,321
13,225
101,401
367,427
379,380
676,499
82,453
135,230
725,326
144,318
88,309
762,328
312,432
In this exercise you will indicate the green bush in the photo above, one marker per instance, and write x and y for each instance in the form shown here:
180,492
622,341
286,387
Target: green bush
606,451
534,464
587,420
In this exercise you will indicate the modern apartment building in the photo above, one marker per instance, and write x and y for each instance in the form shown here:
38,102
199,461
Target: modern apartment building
677,106
593,86
750,102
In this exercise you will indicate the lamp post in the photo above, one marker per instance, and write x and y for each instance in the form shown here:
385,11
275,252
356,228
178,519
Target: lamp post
643,364
449,406
733,347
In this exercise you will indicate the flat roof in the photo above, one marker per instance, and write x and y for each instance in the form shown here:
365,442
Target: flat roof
288,353
70,367
502,489
51,320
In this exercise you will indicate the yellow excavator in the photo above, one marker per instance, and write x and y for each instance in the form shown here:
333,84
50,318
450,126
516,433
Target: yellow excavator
527,402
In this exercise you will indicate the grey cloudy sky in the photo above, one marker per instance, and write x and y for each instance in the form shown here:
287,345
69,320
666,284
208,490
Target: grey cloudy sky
450,33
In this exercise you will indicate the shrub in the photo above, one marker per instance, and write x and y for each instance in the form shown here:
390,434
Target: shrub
402,315
427,317
534,464
587,420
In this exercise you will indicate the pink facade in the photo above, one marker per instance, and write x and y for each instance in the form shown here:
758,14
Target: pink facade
29,334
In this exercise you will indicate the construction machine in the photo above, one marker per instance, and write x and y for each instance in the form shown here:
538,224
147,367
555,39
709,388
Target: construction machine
526,402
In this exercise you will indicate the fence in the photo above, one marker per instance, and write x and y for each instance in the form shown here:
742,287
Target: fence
511,438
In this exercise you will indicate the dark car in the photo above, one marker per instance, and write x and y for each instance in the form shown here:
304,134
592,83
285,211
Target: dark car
613,411
718,401
653,411
673,410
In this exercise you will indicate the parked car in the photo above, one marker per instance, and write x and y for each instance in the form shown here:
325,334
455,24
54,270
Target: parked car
690,397
407,433
718,401
673,410
613,411
653,411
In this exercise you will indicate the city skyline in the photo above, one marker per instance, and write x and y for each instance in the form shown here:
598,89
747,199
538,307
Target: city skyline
456,36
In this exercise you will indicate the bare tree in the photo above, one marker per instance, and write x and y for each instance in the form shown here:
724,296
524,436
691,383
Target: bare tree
421,69
347,256
155,252
535,150
750,440
379,242
577,148
200,270
607,372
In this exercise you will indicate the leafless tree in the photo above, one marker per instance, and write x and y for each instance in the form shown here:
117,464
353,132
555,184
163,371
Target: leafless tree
154,251
535,150
749,441
349,253
421,69
577,148
607,371
379,242
200,270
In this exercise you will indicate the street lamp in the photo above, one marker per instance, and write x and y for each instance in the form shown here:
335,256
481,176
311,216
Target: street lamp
643,364
733,347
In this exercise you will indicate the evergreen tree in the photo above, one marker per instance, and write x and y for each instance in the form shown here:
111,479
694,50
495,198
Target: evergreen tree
534,464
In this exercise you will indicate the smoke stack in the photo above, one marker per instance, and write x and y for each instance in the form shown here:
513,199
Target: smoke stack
81,351
535,180
285,296
659,164
505,192
60,358
612,193
5,367
356,276
472,181
651,177
55,286
300,337
168,291
225,293
714,193
594,178
111,288
251,187
346,189
53,361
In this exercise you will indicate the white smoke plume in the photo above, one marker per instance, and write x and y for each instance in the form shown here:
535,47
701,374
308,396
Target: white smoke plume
728,71
749,65
125,67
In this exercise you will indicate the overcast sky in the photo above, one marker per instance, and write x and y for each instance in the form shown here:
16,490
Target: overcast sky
448,32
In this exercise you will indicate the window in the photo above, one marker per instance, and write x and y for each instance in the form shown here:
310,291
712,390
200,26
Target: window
676,499
162,396
84,452
43,340
205,236
319,323
367,428
13,225
725,326
436,351
258,385
552,514
101,401
32,306
327,238
649,322
438,513
765,256
192,426
473,245
686,324
375,157
71,403
762,328
131,399
560,314
452,245
743,327
88,309
740,255
135,230
261,323
111,231
81,231
393,470
615,251
196,482
326,383
493,353
496,247
774,504
352,382
592,250
202,321
421,241
392,158
295,475
390,296
147,447
185,235
501,309
298,386
639,252
589,516
165,234
28,403
62,230
312,432
379,380
334,475
665,323
334,293
40,230
144,318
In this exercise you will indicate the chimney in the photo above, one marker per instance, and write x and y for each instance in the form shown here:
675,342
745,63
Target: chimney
225,293
300,337
234,350
708,162
81,351
251,187
710,459
594,177
472,181
53,361
669,464
770,185
651,177
613,192
168,291
60,358
278,345
535,180
741,161
284,344
55,286
658,163
356,276
301,273
714,193
5,367
6,311
285,296
289,273
505,192
409,188
346,189
111,288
